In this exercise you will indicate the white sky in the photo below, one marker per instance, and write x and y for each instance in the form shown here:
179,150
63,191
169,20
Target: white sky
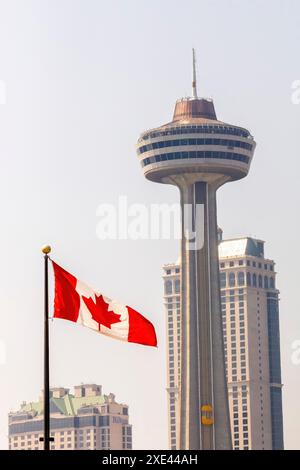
83,79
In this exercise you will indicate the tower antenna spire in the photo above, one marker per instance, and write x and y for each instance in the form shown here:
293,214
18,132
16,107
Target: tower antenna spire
194,82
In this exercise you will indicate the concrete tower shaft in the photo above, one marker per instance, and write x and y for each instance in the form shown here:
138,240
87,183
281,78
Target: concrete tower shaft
203,380
197,153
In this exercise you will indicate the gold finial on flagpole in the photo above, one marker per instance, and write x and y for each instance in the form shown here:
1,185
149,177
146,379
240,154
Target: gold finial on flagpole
46,249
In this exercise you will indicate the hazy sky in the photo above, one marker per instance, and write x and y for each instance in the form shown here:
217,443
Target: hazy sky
83,79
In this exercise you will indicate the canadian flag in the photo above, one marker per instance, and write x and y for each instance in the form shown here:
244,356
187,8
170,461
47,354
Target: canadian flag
77,302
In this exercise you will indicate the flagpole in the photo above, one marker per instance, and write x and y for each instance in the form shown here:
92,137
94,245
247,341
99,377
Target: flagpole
46,250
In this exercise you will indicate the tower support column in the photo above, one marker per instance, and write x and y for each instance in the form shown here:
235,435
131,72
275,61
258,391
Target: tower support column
203,380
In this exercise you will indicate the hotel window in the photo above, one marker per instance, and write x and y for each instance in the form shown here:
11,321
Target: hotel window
248,279
241,262
260,281
222,280
177,286
241,278
168,287
231,279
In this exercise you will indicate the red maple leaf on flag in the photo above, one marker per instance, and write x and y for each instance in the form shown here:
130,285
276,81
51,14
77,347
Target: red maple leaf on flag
100,312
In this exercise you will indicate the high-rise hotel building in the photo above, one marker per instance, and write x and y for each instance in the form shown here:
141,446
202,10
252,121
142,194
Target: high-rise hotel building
250,317
85,420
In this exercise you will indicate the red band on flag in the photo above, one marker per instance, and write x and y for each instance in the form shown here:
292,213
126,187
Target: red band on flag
67,300
141,330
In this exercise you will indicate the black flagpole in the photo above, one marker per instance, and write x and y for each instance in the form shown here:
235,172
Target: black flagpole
46,250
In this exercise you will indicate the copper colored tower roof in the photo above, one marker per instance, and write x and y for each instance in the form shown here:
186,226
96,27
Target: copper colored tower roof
188,108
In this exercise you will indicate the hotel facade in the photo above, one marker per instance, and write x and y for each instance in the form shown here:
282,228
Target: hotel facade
85,420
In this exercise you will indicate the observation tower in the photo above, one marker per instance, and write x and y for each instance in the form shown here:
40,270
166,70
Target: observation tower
198,153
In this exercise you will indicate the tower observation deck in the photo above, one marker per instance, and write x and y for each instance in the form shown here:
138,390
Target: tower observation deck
198,153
